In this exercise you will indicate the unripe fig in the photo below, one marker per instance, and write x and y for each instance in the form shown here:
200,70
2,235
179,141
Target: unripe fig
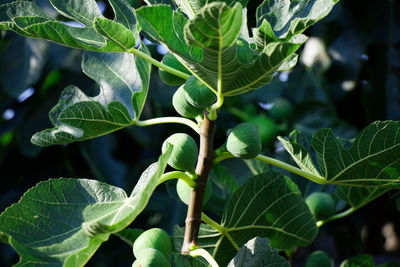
171,61
267,128
154,238
281,109
182,105
183,191
321,205
150,257
319,259
198,94
184,152
244,141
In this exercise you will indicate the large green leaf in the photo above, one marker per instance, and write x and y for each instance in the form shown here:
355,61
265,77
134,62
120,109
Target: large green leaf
257,252
282,19
62,222
372,159
96,34
210,47
267,205
124,81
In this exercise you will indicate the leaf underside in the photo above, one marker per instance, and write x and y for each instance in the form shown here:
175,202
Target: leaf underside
62,222
255,209
372,160
209,45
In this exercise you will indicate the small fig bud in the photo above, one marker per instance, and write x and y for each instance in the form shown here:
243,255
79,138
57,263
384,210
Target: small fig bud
182,105
321,205
184,152
244,141
319,259
171,61
198,94
281,109
154,238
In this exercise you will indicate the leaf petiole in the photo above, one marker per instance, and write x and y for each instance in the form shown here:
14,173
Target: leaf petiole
159,64
292,169
220,229
189,180
204,253
180,120
337,216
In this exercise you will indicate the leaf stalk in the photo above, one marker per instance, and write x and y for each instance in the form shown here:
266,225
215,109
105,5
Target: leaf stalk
159,64
291,168
160,120
178,175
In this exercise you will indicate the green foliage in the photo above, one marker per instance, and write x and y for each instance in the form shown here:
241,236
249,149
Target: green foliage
370,160
124,82
257,252
155,238
212,56
75,215
266,196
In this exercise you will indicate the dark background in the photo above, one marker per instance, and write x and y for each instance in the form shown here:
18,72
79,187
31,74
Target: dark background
355,82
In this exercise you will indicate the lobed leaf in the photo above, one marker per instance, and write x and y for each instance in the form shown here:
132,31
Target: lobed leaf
124,81
372,159
62,222
257,252
226,64
255,209
93,31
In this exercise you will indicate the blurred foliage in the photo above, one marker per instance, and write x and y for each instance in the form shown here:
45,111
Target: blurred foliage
348,76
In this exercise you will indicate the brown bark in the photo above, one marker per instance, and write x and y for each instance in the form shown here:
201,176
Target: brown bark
203,167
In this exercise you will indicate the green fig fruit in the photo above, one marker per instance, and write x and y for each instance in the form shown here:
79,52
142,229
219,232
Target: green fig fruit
267,128
183,191
154,238
319,259
244,141
281,109
171,61
321,205
182,105
150,257
198,94
184,152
